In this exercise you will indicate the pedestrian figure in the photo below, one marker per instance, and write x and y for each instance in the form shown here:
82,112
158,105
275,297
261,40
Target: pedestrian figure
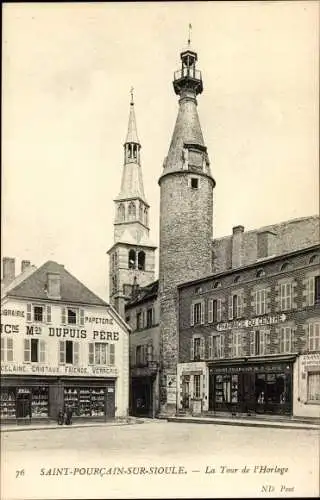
69,415
61,416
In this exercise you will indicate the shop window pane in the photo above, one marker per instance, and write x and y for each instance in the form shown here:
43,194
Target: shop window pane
7,403
40,402
314,387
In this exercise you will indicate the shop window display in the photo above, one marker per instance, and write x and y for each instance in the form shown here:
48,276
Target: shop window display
39,402
86,402
8,403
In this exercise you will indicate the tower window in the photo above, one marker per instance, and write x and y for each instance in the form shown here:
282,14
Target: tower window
146,216
121,212
132,211
132,259
194,183
141,260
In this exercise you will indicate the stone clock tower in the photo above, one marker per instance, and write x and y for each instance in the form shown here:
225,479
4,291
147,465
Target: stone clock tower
186,209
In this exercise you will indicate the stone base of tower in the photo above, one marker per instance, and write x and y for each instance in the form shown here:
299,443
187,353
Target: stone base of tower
168,394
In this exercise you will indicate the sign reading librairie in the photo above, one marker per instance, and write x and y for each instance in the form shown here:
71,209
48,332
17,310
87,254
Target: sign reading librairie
59,370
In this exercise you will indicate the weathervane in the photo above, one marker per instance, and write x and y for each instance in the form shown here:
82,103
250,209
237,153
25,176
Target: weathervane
131,92
189,34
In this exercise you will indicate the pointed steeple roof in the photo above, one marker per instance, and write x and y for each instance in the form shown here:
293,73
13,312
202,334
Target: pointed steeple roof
132,182
132,135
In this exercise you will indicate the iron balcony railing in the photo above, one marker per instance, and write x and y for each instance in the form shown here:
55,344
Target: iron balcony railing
187,72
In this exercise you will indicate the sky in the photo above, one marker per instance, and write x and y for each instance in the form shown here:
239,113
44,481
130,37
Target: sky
67,72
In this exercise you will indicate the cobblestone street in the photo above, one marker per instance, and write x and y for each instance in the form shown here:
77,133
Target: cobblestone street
203,460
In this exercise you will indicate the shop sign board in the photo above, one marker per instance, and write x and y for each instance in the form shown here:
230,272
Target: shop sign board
60,370
272,367
253,322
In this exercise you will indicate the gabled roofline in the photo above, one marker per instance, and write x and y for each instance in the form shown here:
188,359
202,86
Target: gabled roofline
255,264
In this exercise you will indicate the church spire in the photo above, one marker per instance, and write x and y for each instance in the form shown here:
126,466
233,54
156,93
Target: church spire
132,135
132,182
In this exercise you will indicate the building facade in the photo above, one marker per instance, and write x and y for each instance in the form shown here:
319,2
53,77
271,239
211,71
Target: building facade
143,316
249,338
61,346
132,256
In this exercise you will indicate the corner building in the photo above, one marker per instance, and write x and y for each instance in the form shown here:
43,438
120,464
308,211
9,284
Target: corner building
61,345
249,338
186,206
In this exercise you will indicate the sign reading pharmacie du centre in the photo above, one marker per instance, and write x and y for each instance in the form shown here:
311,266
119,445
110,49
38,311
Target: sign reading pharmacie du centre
47,366
251,323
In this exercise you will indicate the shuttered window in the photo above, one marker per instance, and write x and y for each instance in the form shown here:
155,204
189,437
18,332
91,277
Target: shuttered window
285,339
81,317
7,349
197,313
42,351
285,296
112,354
314,336
48,314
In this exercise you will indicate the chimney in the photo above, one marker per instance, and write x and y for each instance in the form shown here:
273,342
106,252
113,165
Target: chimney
8,264
237,246
266,245
53,286
24,265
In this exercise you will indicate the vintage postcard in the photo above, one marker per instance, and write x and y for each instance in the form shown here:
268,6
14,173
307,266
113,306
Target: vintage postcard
160,289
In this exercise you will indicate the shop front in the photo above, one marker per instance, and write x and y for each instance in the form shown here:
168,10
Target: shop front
252,386
32,399
144,391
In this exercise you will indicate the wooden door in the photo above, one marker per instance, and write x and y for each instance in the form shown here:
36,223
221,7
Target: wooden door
110,400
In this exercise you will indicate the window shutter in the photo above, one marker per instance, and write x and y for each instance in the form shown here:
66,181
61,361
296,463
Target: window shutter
240,305
48,310
9,349
42,351
256,303
262,342
267,342
233,347
210,310
192,315
2,349
62,351
81,317
27,350
222,342
191,349
218,346
29,312
252,343
210,347
202,348
150,353
310,290
63,315
230,308
75,353
202,312
111,354
219,310
91,353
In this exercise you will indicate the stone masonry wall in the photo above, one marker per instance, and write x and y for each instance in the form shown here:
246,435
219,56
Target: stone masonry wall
185,254
297,272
